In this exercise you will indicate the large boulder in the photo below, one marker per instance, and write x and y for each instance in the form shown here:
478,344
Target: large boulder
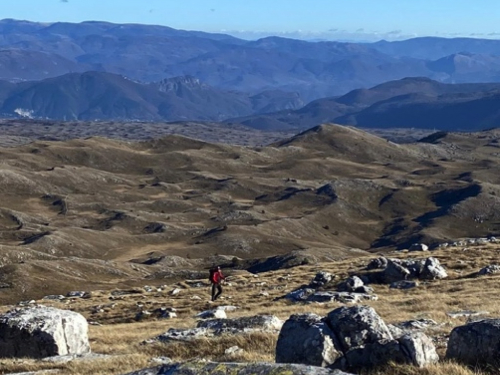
394,272
357,326
418,348
41,331
476,343
433,270
352,338
308,340
210,368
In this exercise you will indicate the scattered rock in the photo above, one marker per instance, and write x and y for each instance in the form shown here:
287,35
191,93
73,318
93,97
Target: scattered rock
209,368
377,264
233,350
419,247
321,279
404,284
350,338
433,270
261,323
212,314
175,291
57,297
343,297
41,331
77,294
189,334
306,339
351,284
475,343
466,313
489,270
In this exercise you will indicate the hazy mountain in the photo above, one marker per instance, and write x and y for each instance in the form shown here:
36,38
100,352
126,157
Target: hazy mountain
433,48
150,53
410,102
98,95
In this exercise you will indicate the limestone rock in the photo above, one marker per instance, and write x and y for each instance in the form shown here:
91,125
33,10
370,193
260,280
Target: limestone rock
351,284
433,270
261,323
300,294
189,334
475,343
489,270
308,340
41,331
418,349
419,247
210,368
377,264
321,279
212,314
394,272
357,326
403,284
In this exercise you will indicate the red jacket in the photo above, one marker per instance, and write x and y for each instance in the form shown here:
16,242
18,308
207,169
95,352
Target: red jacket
217,277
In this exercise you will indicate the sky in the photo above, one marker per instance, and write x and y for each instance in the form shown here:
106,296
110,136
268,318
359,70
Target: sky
305,19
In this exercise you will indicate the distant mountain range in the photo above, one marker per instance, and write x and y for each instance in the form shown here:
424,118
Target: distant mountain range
34,51
410,102
104,71
107,96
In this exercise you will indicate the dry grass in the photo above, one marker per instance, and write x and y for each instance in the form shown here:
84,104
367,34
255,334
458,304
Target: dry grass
121,336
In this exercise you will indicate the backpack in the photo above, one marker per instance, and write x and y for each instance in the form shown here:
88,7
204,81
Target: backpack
212,273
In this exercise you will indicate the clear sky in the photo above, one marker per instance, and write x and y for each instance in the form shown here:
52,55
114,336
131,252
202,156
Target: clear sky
331,19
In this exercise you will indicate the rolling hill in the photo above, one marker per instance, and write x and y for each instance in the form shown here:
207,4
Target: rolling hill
126,211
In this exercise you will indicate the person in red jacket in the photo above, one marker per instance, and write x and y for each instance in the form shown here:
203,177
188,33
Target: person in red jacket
216,278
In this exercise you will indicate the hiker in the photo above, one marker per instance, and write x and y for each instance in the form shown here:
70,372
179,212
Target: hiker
216,278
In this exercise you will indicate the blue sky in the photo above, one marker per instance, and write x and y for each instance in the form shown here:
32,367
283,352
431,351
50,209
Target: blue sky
309,19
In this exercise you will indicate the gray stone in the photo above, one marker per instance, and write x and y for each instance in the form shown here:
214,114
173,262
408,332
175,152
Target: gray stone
416,325
189,334
321,279
357,326
233,350
377,264
419,247
260,323
394,272
300,294
433,270
489,270
306,339
211,368
404,284
212,314
475,343
77,294
418,349
342,297
350,284
466,313
56,297
39,332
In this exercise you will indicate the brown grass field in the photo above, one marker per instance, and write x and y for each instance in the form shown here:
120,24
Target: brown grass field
120,336
101,215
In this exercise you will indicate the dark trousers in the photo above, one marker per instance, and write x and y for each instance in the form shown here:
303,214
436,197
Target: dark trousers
216,287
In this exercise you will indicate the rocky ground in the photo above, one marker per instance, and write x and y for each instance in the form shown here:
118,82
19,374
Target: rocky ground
143,327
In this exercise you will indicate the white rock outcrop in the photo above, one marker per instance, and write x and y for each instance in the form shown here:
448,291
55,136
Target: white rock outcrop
41,331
